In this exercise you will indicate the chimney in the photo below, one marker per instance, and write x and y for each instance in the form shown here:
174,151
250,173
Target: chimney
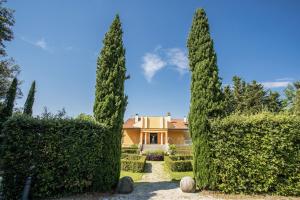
136,118
168,116
185,119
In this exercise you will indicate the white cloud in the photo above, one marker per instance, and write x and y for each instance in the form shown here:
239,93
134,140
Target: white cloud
285,79
276,84
152,63
41,43
160,58
178,58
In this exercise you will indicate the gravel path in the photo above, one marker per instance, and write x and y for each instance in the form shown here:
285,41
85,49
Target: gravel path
156,184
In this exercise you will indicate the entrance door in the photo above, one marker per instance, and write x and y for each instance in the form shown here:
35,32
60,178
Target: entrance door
153,138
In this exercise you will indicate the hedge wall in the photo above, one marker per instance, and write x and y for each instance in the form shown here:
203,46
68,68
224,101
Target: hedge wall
179,163
69,156
257,154
133,164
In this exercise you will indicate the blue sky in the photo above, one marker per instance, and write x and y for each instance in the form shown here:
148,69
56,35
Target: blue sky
57,43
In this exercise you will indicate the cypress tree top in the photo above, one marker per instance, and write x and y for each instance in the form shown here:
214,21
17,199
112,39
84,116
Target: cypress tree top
9,101
110,101
30,100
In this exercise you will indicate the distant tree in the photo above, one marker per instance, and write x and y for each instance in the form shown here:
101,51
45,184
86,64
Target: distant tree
290,94
85,117
7,109
30,100
239,87
206,95
8,69
254,98
229,103
110,99
274,103
6,23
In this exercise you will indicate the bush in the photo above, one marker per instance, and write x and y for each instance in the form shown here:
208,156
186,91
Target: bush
69,156
157,155
130,150
257,154
178,165
172,149
131,156
181,157
133,164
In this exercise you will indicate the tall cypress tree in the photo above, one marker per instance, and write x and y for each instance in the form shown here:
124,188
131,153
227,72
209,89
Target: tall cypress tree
9,101
206,96
30,100
110,100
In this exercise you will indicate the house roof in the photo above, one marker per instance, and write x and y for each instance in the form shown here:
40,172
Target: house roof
173,124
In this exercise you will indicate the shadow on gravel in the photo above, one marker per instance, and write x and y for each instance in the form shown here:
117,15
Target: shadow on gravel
145,190
148,168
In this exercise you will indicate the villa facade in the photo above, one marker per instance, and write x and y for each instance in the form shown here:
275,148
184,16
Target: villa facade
155,131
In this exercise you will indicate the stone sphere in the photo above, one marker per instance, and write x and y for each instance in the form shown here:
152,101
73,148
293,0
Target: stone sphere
187,184
125,185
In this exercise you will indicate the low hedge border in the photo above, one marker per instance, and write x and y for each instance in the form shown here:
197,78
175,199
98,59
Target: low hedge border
181,157
178,165
130,150
133,165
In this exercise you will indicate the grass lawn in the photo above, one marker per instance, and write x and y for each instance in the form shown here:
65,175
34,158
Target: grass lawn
177,176
134,176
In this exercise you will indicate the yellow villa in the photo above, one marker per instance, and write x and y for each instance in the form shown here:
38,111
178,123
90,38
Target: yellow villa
155,132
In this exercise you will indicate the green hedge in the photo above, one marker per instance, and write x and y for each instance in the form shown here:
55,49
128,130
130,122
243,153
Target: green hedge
70,156
130,156
181,157
132,164
176,165
257,154
130,150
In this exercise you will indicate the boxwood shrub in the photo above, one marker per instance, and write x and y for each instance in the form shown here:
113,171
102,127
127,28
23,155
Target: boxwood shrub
69,156
130,150
257,154
133,163
179,163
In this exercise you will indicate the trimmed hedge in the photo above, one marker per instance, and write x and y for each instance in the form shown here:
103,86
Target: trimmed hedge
257,154
69,156
133,163
181,157
179,163
130,150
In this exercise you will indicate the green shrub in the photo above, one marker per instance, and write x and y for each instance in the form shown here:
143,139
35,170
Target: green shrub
132,164
131,156
130,150
172,149
181,157
178,165
69,156
257,154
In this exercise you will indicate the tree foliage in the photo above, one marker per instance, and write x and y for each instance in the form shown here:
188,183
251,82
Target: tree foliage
7,109
30,100
6,23
110,100
8,69
250,98
206,94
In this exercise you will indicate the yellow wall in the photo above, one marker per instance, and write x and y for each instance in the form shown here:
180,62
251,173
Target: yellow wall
176,136
130,137
154,122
